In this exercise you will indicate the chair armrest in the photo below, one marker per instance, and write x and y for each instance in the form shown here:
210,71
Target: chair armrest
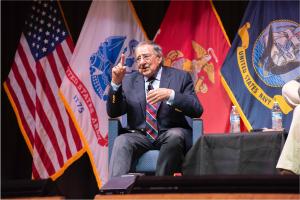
114,127
197,129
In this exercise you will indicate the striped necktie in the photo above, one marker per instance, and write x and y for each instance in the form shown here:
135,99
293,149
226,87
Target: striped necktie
151,111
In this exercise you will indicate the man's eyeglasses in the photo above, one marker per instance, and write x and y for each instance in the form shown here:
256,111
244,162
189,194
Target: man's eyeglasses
146,57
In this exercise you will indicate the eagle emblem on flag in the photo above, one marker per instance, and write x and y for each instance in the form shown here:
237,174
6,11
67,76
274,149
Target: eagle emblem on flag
105,58
201,67
276,53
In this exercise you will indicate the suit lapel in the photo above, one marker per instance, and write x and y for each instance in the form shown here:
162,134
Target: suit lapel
165,78
140,88
164,81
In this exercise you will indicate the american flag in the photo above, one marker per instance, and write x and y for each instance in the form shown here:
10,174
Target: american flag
32,86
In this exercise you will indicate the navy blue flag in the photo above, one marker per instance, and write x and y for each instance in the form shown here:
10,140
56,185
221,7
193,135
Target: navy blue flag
265,54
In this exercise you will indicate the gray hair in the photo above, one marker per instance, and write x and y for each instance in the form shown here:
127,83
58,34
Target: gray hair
156,48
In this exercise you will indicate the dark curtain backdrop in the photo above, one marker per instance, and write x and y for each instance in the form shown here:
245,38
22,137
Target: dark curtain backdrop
15,156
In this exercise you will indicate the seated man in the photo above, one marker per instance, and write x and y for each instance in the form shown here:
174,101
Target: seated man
160,102
289,160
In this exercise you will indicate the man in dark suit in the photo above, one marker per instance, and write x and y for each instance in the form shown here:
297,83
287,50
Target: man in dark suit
159,102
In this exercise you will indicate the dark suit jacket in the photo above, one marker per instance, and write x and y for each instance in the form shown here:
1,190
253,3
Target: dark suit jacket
130,98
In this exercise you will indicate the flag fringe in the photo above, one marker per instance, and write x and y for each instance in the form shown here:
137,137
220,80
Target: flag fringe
25,135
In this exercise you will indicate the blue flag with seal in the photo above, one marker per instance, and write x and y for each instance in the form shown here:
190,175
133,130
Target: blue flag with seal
264,55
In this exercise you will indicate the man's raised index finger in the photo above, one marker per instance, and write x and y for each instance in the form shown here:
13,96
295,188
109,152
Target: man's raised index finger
122,59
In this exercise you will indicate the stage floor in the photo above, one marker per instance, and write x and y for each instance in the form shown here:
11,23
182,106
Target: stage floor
185,196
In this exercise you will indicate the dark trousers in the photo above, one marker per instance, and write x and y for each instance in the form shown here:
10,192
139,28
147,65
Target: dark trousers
172,145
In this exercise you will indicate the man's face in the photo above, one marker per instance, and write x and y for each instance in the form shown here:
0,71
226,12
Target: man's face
147,60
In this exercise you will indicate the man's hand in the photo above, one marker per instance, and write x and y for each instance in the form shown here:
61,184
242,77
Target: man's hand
118,72
159,94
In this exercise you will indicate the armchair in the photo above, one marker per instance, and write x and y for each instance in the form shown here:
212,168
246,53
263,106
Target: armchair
147,162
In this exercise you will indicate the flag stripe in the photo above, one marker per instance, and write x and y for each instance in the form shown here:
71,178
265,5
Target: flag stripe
77,140
50,115
54,68
62,57
40,148
21,113
26,64
61,70
29,58
49,139
72,135
24,91
68,55
48,91
65,114
26,94
19,97
23,74
35,173
70,45
46,141
50,132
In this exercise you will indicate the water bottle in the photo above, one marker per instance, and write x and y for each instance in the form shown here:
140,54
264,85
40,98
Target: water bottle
276,117
234,121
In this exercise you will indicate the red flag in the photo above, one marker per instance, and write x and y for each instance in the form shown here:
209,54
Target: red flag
32,87
193,39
